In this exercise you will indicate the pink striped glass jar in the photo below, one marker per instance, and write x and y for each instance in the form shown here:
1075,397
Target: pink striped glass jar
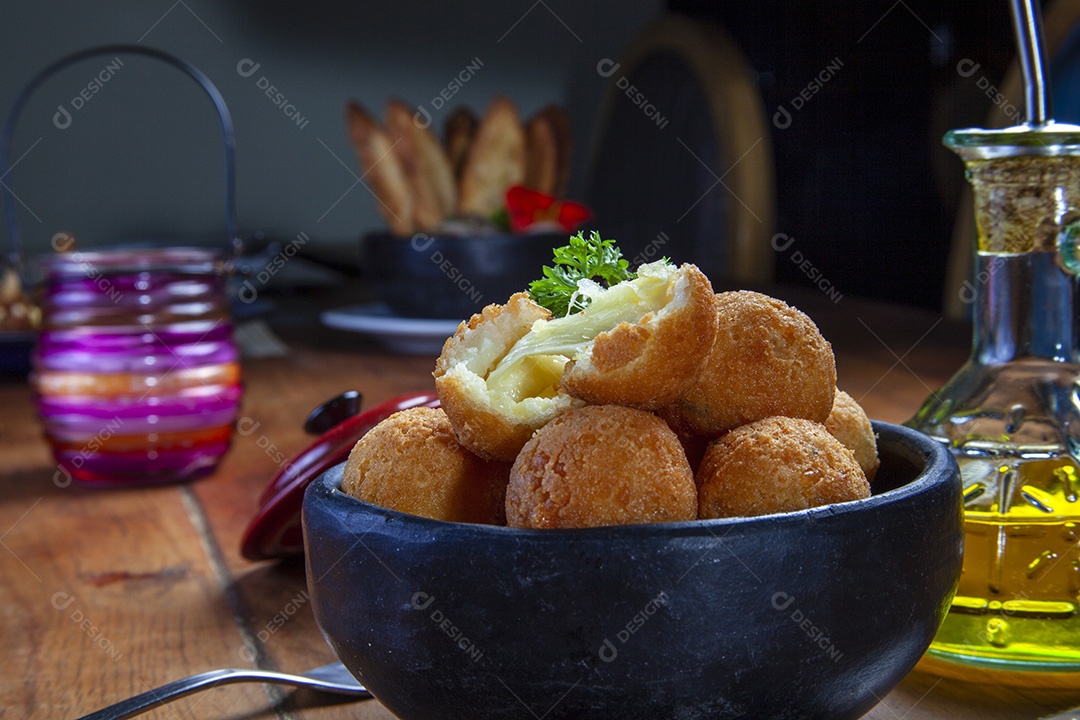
136,372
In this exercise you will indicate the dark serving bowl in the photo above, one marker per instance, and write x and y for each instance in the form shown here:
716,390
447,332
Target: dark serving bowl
440,276
812,614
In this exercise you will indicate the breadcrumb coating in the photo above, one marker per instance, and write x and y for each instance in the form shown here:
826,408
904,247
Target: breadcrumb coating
411,462
601,465
768,359
849,424
649,363
774,465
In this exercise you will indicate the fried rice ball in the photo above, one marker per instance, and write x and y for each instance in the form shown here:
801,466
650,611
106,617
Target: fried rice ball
495,421
768,359
650,338
512,368
849,424
777,464
411,462
601,465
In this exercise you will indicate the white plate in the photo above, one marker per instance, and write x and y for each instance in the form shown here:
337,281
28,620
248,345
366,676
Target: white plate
411,336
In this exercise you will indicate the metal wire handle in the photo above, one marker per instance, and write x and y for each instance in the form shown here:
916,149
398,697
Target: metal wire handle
15,253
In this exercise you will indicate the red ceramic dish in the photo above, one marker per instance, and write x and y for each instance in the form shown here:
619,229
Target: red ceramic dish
275,531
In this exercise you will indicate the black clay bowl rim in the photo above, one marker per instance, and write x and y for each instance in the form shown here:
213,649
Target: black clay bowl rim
936,466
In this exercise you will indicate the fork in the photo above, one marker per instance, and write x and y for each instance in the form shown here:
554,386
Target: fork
332,678
1073,714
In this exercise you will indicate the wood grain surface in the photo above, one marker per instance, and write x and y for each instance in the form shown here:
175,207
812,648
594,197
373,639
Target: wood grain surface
108,593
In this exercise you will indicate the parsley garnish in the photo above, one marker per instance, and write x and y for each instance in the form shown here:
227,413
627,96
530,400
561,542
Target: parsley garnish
591,259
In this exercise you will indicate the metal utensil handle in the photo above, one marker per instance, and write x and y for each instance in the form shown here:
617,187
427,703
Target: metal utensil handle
1031,50
14,239
166,693
322,678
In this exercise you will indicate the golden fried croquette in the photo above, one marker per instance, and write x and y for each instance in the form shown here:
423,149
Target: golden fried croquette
412,462
601,465
849,424
639,343
494,421
767,359
511,369
777,464
648,355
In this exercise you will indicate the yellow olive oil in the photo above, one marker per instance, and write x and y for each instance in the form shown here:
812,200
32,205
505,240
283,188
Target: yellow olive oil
1017,598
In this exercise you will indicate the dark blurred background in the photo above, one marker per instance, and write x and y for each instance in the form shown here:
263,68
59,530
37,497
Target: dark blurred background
861,180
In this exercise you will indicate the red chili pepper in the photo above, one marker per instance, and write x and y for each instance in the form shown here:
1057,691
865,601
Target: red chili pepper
527,207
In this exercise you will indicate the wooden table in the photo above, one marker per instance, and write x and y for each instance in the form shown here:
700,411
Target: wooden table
108,593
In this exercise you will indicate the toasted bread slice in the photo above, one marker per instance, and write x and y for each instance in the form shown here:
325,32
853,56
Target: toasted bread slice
541,155
383,173
426,166
496,160
459,131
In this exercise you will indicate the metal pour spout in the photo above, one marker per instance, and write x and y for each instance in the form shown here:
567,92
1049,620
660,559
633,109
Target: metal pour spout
1027,23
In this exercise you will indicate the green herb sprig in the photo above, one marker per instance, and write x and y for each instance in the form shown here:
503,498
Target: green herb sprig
592,258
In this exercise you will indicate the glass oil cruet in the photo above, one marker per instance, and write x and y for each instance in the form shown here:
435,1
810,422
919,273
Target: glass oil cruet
1011,414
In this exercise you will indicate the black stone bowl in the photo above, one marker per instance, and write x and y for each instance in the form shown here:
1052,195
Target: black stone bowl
812,614
437,276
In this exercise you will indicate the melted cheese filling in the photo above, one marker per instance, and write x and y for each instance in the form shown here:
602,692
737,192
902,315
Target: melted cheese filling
533,365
